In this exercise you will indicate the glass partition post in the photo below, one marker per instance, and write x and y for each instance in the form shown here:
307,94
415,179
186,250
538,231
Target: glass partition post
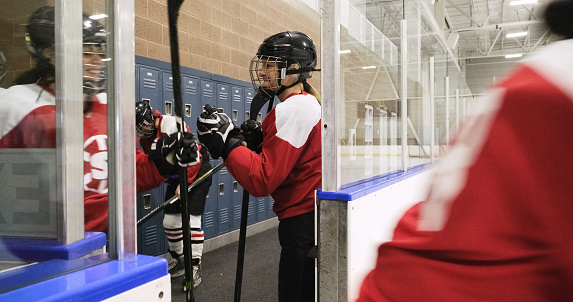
404,107
330,87
432,104
121,160
447,140
69,118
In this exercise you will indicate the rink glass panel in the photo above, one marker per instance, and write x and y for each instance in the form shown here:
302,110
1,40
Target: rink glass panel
43,189
369,118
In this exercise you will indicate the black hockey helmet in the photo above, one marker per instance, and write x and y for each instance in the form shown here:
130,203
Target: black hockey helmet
284,49
144,120
40,34
40,31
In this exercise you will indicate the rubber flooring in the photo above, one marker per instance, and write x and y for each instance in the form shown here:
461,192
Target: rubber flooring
260,272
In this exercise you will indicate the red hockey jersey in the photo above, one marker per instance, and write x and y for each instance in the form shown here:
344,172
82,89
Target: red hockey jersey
497,222
289,166
28,120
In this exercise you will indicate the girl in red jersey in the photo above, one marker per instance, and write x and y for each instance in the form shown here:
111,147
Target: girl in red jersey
497,223
289,164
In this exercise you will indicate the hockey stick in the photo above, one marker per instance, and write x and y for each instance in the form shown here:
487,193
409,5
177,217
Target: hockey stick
174,198
256,104
241,252
173,7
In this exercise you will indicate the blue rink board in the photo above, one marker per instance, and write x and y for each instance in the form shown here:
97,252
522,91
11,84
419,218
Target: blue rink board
94,283
364,187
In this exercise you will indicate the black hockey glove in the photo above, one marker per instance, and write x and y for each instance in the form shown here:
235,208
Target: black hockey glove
167,149
163,146
217,132
187,152
253,133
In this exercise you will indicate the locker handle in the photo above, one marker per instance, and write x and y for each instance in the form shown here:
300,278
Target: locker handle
221,189
147,101
187,110
235,186
235,115
260,117
168,107
147,201
247,115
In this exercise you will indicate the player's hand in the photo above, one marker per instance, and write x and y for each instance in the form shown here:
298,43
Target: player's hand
253,134
187,152
217,132
163,146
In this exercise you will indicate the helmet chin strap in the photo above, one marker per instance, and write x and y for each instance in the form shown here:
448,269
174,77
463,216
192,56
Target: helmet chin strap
281,90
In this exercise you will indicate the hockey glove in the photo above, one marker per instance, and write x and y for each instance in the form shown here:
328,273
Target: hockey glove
217,132
187,152
253,134
163,146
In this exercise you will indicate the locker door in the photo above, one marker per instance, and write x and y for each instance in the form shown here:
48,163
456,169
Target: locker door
249,94
252,212
149,85
224,98
237,106
208,93
210,215
167,106
237,201
191,102
151,237
270,213
262,208
224,200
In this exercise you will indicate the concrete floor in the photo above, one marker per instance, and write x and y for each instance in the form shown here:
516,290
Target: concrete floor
260,273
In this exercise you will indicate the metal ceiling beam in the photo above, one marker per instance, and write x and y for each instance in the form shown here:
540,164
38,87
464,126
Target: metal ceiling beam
497,26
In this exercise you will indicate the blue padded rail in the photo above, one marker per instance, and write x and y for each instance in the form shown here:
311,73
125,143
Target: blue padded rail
364,187
94,283
32,249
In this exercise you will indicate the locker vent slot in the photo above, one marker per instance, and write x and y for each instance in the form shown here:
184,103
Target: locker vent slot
151,235
237,214
208,219
224,215
149,83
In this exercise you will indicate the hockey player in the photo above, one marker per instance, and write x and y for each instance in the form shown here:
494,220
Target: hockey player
28,113
289,164
151,126
497,223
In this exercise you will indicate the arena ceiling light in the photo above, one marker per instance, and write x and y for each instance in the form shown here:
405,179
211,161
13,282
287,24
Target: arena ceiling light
515,55
522,2
345,51
368,67
515,35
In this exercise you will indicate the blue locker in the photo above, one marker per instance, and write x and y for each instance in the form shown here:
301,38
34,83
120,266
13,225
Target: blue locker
237,106
224,98
149,85
167,105
270,213
208,93
151,238
191,102
249,94
224,200
237,198
211,213
252,212
262,208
